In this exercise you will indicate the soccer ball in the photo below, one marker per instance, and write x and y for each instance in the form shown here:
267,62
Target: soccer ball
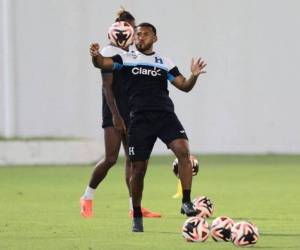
195,166
121,34
244,233
220,229
195,229
204,206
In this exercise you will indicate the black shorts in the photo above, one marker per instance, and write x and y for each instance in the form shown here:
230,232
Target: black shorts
107,119
107,116
146,127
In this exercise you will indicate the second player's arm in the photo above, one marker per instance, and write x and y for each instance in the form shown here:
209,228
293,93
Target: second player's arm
187,84
118,122
98,60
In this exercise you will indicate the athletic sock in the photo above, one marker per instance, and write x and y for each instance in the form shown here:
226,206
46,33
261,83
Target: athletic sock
89,193
186,195
137,212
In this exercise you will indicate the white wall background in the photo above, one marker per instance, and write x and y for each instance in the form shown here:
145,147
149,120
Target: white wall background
247,102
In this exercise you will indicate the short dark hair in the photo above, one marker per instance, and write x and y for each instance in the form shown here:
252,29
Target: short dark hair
148,25
125,16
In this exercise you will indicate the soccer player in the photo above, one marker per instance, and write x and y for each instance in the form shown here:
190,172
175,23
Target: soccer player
152,115
115,119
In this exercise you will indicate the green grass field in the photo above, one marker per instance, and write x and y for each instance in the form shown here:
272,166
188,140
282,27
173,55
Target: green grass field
40,204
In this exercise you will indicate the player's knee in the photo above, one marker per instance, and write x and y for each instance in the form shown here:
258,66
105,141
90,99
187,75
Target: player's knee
183,155
110,161
138,173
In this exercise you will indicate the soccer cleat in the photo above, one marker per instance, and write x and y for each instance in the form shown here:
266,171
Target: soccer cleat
86,208
137,224
146,213
179,191
188,209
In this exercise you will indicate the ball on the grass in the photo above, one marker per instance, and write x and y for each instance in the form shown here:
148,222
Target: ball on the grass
244,234
195,229
220,229
204,206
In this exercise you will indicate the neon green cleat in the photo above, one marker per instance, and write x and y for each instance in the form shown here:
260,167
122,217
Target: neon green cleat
179,191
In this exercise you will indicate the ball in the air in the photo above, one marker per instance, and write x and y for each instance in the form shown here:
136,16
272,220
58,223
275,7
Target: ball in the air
121,34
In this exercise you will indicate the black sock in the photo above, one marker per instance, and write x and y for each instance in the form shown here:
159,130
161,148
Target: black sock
137,212
186,195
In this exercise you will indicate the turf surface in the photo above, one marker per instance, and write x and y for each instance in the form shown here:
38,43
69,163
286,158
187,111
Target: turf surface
40,204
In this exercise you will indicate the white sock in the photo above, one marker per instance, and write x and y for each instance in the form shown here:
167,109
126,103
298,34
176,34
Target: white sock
130,203
89,193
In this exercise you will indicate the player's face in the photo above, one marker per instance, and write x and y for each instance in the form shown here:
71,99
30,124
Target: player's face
144,38
132,23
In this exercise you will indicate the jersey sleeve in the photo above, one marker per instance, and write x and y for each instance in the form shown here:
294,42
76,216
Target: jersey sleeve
173,70
173,73
107,52
111,51
118,62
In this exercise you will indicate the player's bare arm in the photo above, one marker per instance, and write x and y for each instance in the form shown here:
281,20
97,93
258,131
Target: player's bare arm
197,68
117,119
98,60
107,63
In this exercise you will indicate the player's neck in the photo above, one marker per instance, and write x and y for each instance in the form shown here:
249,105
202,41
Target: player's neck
147,52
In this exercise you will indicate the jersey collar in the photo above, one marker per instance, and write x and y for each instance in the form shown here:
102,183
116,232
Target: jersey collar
150,54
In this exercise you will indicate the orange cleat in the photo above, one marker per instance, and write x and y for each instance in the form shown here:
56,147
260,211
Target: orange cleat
86,208
146,213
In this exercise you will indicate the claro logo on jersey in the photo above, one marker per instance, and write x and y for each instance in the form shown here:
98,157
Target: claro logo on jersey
148,72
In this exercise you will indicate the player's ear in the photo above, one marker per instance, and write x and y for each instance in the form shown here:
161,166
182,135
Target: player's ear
155,38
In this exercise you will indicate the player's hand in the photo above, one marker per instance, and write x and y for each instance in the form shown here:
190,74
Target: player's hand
119,124
94,49
197,67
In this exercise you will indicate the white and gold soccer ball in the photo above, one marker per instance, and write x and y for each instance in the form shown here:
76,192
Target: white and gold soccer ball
244,234
204,206
195,229
195,166
121,34
220,229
